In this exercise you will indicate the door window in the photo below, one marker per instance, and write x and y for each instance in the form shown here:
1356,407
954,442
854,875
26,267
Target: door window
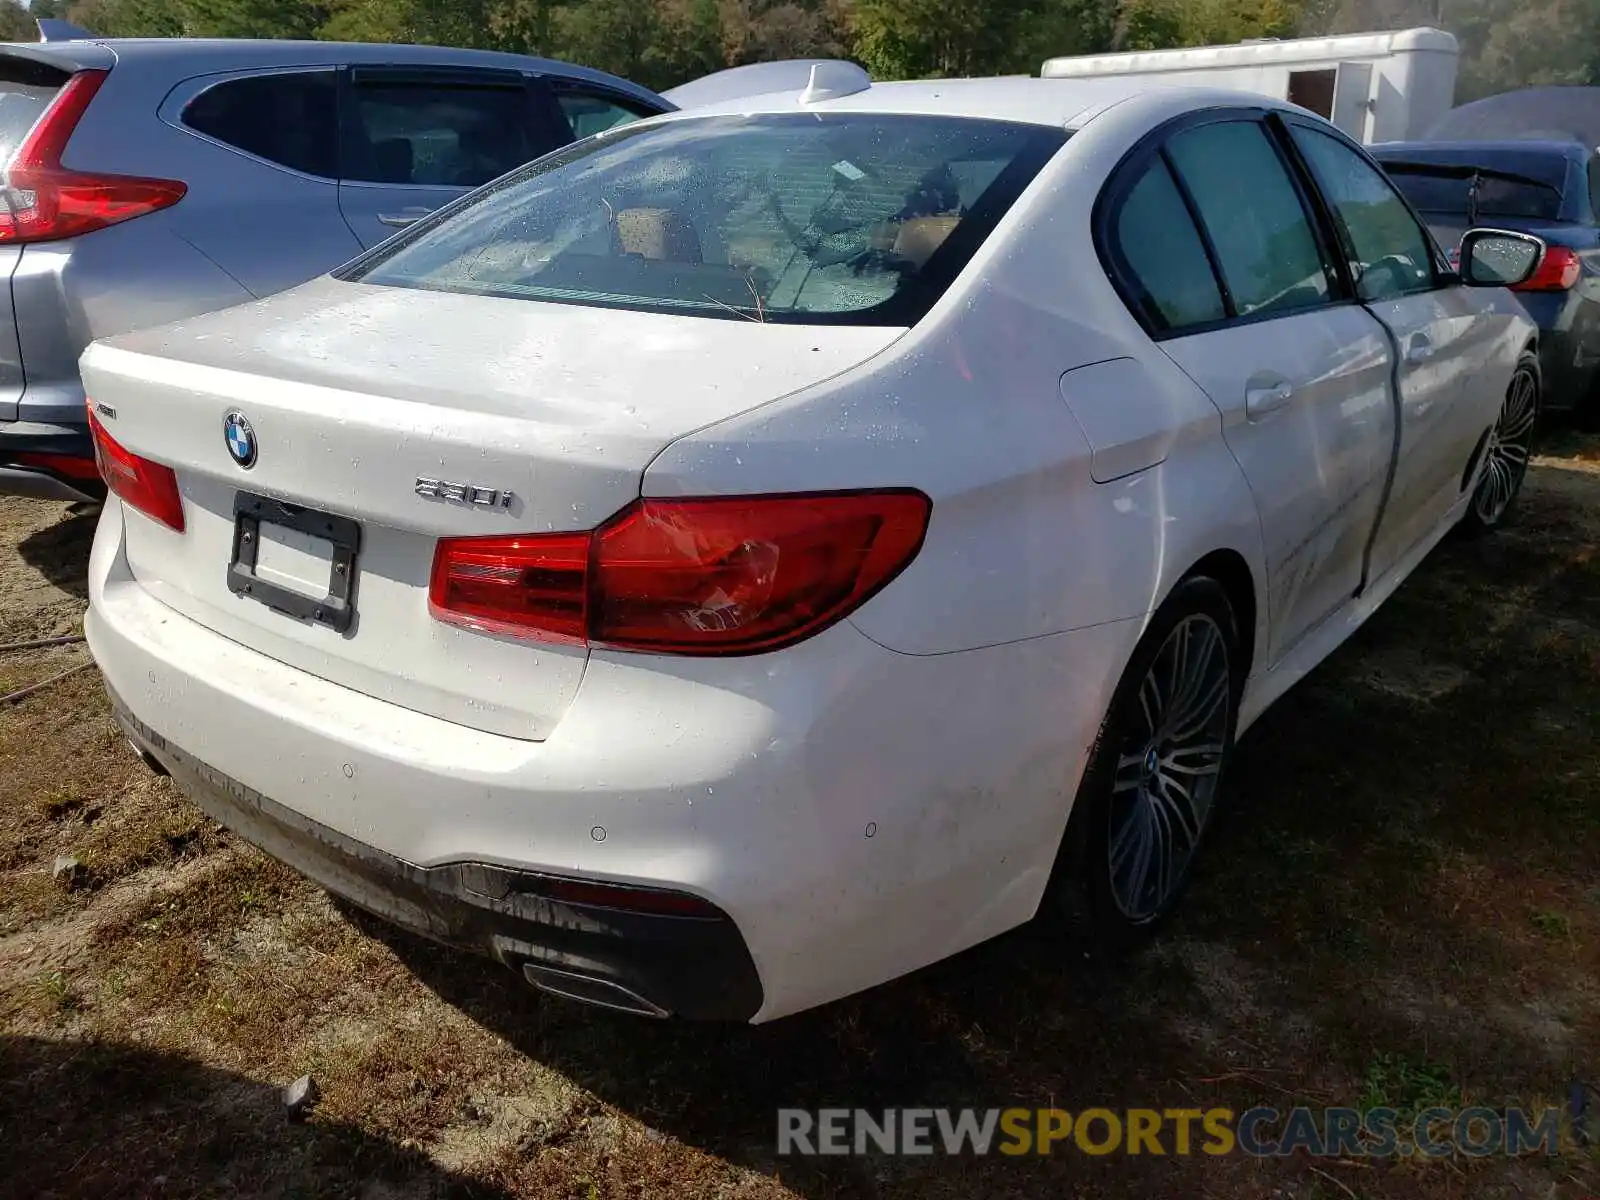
590,112
1162,256
440,135
287,118
1250,209
1390,254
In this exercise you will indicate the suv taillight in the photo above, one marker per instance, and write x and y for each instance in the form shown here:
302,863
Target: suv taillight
1558,271
147,486
44,201
722,575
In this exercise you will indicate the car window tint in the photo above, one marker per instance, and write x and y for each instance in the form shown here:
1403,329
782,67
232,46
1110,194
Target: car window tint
590,113
1262,235
1162,254
444,136
1389,253
287,118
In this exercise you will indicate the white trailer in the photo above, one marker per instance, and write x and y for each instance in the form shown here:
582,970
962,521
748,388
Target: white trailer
1377,87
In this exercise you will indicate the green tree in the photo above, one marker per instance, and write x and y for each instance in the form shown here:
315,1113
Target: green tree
16,23
914,39
620,36
129,18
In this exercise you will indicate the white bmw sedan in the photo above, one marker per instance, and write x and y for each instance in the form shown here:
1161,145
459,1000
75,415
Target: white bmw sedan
751,554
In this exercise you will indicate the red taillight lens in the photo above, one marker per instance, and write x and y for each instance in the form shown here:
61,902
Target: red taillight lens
724,575
1558,271
535,584
147,486
66,465
45,201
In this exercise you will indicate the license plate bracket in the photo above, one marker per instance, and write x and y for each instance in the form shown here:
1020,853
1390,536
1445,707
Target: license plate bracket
336,607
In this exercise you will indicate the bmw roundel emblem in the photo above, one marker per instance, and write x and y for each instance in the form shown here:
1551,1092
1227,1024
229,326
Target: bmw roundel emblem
241,439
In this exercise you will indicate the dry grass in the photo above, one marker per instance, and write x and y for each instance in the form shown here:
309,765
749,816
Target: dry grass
1402,906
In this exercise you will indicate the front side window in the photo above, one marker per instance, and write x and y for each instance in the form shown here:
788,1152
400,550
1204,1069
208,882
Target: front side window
1163,257
1252,213
286,118
438,134
1389,253
815,218
591,113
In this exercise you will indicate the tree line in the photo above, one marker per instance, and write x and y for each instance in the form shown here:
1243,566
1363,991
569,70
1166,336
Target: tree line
1505,43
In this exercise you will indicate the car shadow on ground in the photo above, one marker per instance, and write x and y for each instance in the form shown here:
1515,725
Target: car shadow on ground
97,1119
1399,845
60,552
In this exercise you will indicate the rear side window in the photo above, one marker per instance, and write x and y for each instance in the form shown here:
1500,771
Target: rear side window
593,112
26,89
289,119
820,218
442,135
1448,190
1250,209
1162,255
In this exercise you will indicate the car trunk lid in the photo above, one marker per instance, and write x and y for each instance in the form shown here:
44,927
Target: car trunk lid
419,415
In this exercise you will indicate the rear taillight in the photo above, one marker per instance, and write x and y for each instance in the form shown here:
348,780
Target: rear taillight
45,201
147,486
1558,271
68,466
724,575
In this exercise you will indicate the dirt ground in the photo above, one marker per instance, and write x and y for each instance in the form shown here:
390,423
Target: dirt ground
1401,907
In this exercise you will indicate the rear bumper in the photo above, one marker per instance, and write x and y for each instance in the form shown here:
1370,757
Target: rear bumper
51,462
656,965
854,813
1569,347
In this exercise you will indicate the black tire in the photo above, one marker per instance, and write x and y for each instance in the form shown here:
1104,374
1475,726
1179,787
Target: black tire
1088,893
1507,451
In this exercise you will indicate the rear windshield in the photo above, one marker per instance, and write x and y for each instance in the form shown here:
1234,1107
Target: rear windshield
815,218
26,89
1434,192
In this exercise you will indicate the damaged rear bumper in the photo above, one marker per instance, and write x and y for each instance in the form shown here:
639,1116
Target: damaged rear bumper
650,963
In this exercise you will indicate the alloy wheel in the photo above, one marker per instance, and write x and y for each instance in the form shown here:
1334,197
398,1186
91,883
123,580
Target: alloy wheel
1169,766
1506,455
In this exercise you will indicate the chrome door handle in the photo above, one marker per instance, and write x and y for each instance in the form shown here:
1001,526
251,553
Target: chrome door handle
1419,350
1261,400
400,220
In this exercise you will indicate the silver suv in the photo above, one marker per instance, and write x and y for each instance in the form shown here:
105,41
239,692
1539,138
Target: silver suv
146,181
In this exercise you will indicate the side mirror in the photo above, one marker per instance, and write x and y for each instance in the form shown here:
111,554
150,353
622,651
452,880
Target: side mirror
1499,257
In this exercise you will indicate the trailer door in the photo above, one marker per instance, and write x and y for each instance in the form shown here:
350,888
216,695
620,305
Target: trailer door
1352,95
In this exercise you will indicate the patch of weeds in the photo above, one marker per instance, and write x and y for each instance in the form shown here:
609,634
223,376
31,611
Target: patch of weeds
55,805
1394,1081
208,906
1551,924
58,994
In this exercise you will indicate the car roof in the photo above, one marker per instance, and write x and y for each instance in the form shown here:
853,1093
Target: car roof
225,54
1058,103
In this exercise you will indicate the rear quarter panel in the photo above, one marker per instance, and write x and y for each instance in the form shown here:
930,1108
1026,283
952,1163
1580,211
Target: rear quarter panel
125,277
970,407
264,225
